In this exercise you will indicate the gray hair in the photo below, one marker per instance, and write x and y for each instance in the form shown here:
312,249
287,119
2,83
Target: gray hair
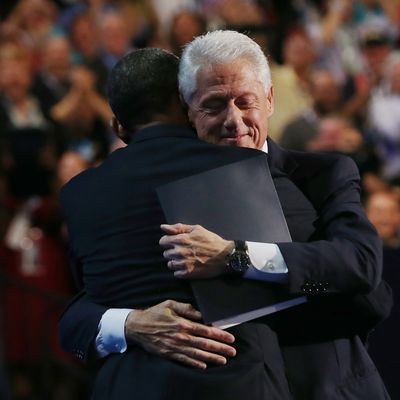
219,47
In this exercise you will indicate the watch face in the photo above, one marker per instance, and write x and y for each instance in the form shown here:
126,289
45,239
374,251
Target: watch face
239,261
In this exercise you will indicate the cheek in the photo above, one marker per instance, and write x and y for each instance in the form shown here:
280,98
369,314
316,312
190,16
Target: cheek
260,123
256,119
206,126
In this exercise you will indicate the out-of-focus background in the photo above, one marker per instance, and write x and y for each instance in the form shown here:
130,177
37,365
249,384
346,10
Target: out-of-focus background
336,73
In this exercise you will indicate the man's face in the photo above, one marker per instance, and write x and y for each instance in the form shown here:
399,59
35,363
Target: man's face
325,92
230,106
384,213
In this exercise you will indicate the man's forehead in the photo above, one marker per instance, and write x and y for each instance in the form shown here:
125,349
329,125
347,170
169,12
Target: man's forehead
236,69
226,80
224,93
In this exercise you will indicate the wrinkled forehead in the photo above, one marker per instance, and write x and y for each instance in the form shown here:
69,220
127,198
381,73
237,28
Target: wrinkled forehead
234,76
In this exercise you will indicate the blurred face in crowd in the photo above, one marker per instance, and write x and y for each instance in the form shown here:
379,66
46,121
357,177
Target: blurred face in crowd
298,51
15,79
383,211
238,12
336,134
325,92
37,15
56,57
115,35
185,26
230,105
376,55
83,35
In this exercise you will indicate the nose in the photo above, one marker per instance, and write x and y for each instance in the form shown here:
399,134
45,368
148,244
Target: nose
233,119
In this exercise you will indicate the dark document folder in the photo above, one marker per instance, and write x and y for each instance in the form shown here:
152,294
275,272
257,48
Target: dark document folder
238,201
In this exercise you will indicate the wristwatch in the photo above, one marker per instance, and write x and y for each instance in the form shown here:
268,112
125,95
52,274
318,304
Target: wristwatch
238,261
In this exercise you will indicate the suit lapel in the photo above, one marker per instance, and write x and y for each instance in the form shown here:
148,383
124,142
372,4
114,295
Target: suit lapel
297,208
280,161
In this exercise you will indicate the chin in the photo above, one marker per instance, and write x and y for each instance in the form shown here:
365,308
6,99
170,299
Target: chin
238,142
246,143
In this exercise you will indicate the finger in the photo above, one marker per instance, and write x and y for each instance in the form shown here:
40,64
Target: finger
184,359
174,253
184,310
176,228
182,274
201,355
217,334
177,265
210,346
168,241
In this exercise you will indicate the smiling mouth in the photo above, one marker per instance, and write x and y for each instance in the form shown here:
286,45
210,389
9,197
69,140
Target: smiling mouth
234,138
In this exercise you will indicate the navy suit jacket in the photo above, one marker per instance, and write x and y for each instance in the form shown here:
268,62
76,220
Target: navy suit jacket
309,352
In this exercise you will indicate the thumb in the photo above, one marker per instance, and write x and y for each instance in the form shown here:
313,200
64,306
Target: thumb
185,310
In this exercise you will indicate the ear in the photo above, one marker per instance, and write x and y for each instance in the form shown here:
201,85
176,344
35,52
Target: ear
114,124
270,101
119,130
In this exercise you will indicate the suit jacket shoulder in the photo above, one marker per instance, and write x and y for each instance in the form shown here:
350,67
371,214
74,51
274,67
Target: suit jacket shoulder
321,174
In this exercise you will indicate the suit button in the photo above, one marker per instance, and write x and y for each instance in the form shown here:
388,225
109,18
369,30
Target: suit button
306,288
78,354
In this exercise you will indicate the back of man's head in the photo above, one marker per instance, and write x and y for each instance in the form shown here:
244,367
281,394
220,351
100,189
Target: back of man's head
143,85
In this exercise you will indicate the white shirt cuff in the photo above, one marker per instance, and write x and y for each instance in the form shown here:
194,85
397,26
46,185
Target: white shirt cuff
111,336
267,263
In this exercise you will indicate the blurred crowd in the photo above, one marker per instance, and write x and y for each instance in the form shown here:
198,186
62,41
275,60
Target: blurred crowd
336,73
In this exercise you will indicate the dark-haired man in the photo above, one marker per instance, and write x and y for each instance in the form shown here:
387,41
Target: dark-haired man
317,351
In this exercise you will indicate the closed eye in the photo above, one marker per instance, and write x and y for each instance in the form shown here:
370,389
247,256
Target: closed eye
245,102
213,106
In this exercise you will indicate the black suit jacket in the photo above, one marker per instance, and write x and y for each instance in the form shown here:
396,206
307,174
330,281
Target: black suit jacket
113,217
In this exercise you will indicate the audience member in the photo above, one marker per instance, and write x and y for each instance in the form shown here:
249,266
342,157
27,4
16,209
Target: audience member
53,80
18,107
326,99
26,145
383,209
185,26
334,36
115,37
291,81
384,120
84,40
336,134
85,116
376,48
36,18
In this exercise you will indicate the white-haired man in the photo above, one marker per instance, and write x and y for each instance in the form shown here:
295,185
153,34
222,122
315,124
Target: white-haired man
335,257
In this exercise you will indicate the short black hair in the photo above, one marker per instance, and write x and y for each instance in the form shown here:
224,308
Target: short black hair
143,83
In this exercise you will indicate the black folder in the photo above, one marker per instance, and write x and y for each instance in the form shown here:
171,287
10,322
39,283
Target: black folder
238,201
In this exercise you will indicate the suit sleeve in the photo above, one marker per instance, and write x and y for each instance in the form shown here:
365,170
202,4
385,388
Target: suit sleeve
370,309
78,326
340,268
345,257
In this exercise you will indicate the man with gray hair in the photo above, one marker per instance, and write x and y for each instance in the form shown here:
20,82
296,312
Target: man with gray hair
334,258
